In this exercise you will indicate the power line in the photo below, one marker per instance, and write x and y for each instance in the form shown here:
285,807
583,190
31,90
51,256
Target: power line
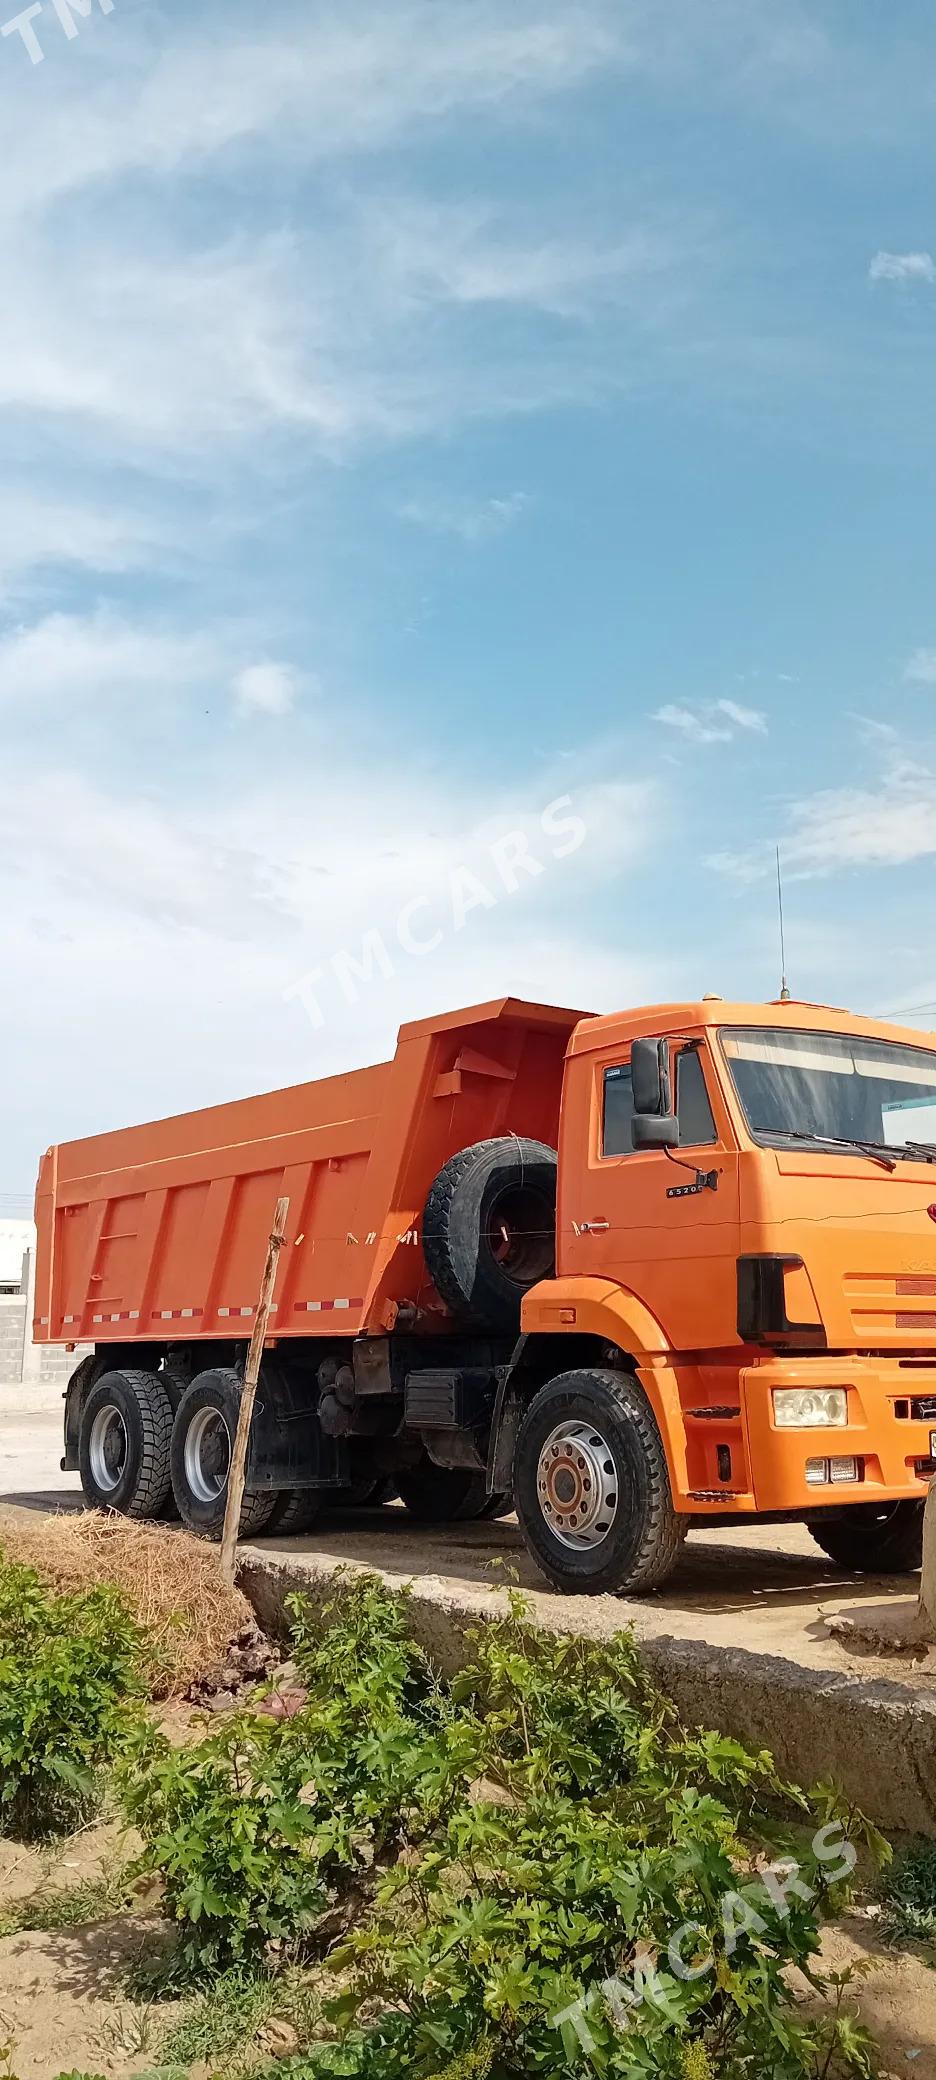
905,1011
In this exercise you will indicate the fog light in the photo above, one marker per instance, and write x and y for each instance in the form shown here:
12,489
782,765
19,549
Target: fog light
835,1473
810,1408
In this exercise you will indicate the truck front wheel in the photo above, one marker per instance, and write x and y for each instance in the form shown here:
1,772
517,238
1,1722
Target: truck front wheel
884,1538
202,1447
592,1489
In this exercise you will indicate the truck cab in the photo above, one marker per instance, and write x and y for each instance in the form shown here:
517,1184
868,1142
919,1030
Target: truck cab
747,1224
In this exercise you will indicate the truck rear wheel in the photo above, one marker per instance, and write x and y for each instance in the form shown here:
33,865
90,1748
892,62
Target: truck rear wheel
489,1228
443,1495
123,1444
592,1488
202,1446
294,1510
885,1538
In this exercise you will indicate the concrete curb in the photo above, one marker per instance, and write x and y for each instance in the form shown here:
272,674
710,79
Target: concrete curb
876,1739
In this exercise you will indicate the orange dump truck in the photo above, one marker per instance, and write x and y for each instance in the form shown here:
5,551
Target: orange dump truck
622,1274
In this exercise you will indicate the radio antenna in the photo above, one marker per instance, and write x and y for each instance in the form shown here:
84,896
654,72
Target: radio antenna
784,991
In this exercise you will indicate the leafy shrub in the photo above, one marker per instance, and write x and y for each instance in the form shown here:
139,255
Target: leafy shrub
257,1829
612,1831
910,1894
69,1667
484,1858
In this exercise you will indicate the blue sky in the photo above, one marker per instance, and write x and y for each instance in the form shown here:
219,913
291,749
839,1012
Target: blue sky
414,415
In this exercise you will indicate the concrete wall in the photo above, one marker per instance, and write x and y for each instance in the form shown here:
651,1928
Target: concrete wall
21,1360
12,1335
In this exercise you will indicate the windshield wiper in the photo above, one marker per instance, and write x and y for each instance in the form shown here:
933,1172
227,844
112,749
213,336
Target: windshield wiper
925,1151
876,1151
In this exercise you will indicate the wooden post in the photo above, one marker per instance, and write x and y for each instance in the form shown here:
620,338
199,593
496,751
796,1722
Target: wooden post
238,1472
926,1623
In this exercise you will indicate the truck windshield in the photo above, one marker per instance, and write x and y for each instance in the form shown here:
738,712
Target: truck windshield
825,1087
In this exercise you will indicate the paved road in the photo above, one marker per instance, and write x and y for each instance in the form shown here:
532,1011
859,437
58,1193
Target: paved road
31,1447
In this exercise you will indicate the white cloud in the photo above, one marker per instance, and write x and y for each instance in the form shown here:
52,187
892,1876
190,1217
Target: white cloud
921,667
465,255
237,893
74,664
313,83
39,530
890,825
902,267
744,718
472,520
266,689
712,722
690,723
354,328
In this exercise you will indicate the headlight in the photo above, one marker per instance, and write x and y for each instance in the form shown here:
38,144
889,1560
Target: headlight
810,1408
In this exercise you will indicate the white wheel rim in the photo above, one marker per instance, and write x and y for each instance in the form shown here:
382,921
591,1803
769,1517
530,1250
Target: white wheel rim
207,1455
577,1485
108,1449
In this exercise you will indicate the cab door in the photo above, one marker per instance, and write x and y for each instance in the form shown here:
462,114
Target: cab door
665,1227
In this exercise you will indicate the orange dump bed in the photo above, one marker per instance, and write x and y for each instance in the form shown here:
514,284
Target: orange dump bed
160,1231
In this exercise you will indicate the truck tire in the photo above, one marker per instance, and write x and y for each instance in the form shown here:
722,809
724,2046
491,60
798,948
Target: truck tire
202,1443
443,1495
592,1488
885,1538
123,1444
489,1229
294,1510
372,1494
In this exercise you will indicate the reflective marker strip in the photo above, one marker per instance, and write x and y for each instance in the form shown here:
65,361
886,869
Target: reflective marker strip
326,1306
127,1314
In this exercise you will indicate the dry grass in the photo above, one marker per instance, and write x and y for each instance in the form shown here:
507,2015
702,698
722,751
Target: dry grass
171,1581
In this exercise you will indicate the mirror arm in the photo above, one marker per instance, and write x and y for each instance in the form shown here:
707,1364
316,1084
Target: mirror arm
705,1180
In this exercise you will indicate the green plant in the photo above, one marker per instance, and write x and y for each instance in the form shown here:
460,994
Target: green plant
71,1906
909,1894
532,1871
69,1669
224,2022
259,1829
532,1933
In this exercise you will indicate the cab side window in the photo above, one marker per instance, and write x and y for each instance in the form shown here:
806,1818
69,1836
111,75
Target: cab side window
617,1126
696,1123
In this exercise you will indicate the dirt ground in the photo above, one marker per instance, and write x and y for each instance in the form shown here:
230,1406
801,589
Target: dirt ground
63,1997
64,2001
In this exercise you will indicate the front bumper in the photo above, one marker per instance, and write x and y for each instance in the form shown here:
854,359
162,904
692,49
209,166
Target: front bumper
889,1440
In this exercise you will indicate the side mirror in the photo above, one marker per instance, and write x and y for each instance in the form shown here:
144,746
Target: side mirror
659,1130
655,1125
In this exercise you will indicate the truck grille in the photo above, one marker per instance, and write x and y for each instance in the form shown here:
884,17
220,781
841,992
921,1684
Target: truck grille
920,1408
883,1305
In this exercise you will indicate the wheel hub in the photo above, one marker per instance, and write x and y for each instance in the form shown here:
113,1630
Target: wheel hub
577,1485
207,1455
108,1449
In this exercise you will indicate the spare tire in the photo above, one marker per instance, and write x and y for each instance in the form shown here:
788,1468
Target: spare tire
489,1229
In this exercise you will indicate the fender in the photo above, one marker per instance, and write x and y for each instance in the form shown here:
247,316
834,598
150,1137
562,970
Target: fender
601,1308
594,1307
